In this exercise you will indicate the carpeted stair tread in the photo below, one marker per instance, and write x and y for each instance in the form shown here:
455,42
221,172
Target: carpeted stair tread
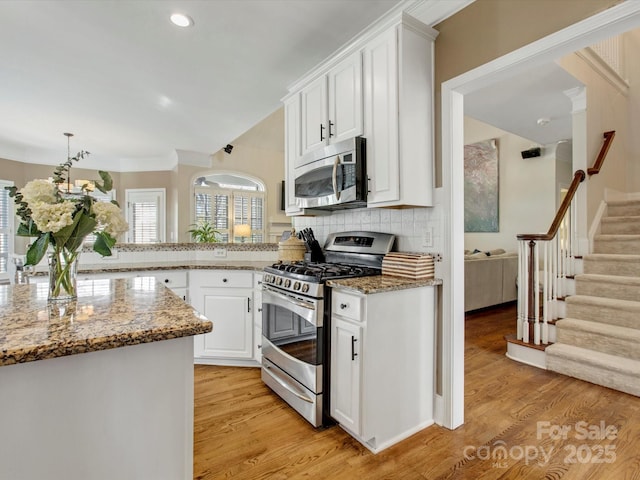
608,286
625,313
596,367
620,225
616,208
612,264
611,339
621,244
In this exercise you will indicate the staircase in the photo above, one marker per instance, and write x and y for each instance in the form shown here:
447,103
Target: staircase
599,338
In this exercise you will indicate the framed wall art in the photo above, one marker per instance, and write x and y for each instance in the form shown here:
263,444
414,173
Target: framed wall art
481,187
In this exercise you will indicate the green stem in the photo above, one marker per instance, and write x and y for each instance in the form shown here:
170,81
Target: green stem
63,262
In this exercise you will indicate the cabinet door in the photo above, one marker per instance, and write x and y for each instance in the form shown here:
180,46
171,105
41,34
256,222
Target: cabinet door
313,100
381,118
292,141
345,99
229,310
346,369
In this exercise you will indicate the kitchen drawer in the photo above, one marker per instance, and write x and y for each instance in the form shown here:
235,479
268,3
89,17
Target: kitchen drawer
229,278
170,278
346,305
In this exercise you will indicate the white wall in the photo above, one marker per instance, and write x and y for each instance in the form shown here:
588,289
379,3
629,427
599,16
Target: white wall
631,49
527,195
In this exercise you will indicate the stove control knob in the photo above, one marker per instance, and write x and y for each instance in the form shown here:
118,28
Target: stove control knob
305,287
278,281
287,283
296,286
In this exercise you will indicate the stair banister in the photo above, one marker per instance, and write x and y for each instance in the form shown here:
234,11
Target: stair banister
557,261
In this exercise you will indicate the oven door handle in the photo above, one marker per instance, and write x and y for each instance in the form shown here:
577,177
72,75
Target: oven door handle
286,300
334,177
290,388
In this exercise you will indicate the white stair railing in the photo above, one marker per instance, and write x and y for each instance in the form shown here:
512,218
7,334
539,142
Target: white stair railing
546,261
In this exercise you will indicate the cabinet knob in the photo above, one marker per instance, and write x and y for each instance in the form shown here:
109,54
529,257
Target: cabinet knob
224,280
343,306
166,280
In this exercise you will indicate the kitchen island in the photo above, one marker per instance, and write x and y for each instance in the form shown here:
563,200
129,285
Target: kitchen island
98,388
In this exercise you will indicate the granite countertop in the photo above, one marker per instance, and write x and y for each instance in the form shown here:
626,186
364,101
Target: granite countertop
104,267
381,283
107,314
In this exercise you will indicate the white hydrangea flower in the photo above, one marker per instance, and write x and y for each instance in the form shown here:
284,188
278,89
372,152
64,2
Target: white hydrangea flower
52,217
109,218
39,191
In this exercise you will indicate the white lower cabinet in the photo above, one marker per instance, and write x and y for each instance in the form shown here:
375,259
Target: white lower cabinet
345,377
257,317
226,298
382,364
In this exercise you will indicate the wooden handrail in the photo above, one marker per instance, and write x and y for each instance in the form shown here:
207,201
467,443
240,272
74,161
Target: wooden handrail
608,138
578,178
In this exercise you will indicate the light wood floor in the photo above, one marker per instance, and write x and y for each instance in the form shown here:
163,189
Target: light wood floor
243,431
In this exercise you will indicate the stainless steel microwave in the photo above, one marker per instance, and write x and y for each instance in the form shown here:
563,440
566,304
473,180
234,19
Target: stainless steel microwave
333,177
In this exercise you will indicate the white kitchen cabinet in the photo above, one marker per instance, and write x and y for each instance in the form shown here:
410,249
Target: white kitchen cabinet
398,121
382,363
345,376
226,298
292,152
331,105
381,87
175,280
257,317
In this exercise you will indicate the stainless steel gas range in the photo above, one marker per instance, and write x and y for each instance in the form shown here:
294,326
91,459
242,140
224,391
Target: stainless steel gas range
296,308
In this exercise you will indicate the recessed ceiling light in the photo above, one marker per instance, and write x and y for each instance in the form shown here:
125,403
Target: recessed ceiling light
181,20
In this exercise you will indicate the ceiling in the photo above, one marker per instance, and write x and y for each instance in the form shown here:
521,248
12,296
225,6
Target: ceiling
139,92
532,104
135,89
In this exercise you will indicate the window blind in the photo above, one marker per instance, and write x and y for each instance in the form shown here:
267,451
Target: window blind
224,208
146,215
144,222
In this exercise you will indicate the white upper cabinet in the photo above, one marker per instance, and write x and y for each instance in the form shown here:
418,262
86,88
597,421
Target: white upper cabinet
292,152
379,86
345,99
331,105
398,98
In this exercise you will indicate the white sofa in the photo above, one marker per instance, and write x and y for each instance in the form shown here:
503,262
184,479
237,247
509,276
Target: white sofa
489,278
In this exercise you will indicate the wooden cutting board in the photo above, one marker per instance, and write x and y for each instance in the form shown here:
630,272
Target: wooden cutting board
416,266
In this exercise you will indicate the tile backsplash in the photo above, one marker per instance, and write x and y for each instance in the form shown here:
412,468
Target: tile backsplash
411,226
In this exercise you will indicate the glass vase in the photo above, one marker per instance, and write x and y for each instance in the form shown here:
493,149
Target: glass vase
63,272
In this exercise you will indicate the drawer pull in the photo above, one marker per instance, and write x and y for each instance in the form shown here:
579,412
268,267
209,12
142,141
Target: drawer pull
343,306
166,280
224,280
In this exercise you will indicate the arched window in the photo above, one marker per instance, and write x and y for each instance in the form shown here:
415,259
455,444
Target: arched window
233,204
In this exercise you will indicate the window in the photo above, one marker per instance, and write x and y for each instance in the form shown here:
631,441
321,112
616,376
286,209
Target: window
228,201
100,197
6,229
145,215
